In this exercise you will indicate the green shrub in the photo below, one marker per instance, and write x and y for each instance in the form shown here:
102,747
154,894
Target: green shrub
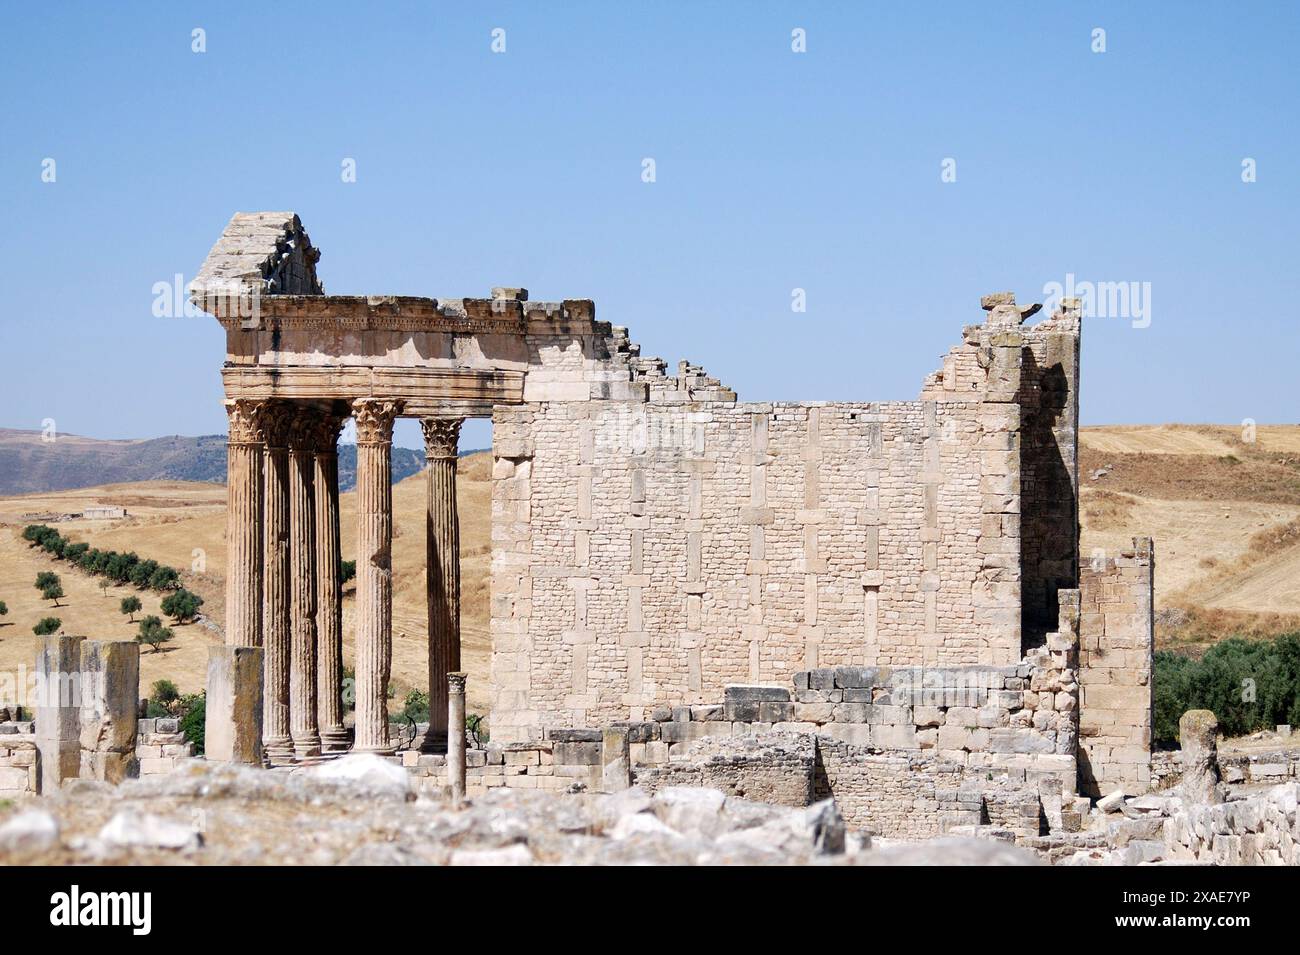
416,707
46,626
347,570
1249,685
193,714
181,605
165,578
152,633
164,691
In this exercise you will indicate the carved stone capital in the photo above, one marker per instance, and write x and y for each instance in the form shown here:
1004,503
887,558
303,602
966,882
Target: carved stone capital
326,434
276,419
375,417
456,682
441,436
245,425
303,432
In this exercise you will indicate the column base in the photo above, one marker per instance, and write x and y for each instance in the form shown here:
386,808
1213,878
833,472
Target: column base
306,747
389,750
435,741
278,750
335,739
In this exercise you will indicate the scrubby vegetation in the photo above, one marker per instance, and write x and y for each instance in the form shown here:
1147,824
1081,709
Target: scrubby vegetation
113,566
1248,684
165,700
46,626
152,633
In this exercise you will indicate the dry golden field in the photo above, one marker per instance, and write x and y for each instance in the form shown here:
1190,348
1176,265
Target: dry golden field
184,524
1225,515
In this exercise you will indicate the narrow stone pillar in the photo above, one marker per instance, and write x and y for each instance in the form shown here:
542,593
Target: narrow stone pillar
244,524
110,709
233,714
374,629
58,711
1198,739
442,565
615,759
456,740
276,740
303,727
329,590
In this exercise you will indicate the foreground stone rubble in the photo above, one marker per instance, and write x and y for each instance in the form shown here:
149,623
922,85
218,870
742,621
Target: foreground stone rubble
362,810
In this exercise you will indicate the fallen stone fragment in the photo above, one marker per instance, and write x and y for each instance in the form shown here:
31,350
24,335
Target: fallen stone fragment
147,831
32,831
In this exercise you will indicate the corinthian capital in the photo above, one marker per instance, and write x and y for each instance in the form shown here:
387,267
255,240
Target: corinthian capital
441,436
375,418
275,419
244,416
326,434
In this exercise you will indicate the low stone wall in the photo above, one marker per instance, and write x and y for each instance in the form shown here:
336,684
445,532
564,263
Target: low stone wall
1261,830
1237,769
160,745
17,759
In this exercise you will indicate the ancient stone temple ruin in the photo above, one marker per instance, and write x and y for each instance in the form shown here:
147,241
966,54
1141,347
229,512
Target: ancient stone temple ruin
899,581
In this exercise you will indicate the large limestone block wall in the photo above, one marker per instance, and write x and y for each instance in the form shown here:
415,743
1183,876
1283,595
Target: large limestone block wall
657,547
1116,651
647,552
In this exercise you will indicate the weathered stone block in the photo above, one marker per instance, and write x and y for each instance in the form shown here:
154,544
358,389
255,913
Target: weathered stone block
233,718
743,693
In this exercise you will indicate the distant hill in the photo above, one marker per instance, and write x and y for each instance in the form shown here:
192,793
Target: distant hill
29,465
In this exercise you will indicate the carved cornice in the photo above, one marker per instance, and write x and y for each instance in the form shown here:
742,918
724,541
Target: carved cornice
441,437
375,417
416,314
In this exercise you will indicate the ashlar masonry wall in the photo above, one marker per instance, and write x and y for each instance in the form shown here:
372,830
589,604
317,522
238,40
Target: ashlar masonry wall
659,549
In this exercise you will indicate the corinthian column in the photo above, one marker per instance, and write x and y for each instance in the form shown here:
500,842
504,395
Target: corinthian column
329,596
275,604
302,587
374,417
243,525
442,565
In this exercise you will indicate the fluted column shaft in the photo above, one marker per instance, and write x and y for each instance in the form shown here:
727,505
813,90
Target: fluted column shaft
374,631
275,605
329,594
302,574
442,564
243,525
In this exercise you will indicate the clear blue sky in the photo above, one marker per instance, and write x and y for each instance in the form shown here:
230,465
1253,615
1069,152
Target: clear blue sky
775,171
